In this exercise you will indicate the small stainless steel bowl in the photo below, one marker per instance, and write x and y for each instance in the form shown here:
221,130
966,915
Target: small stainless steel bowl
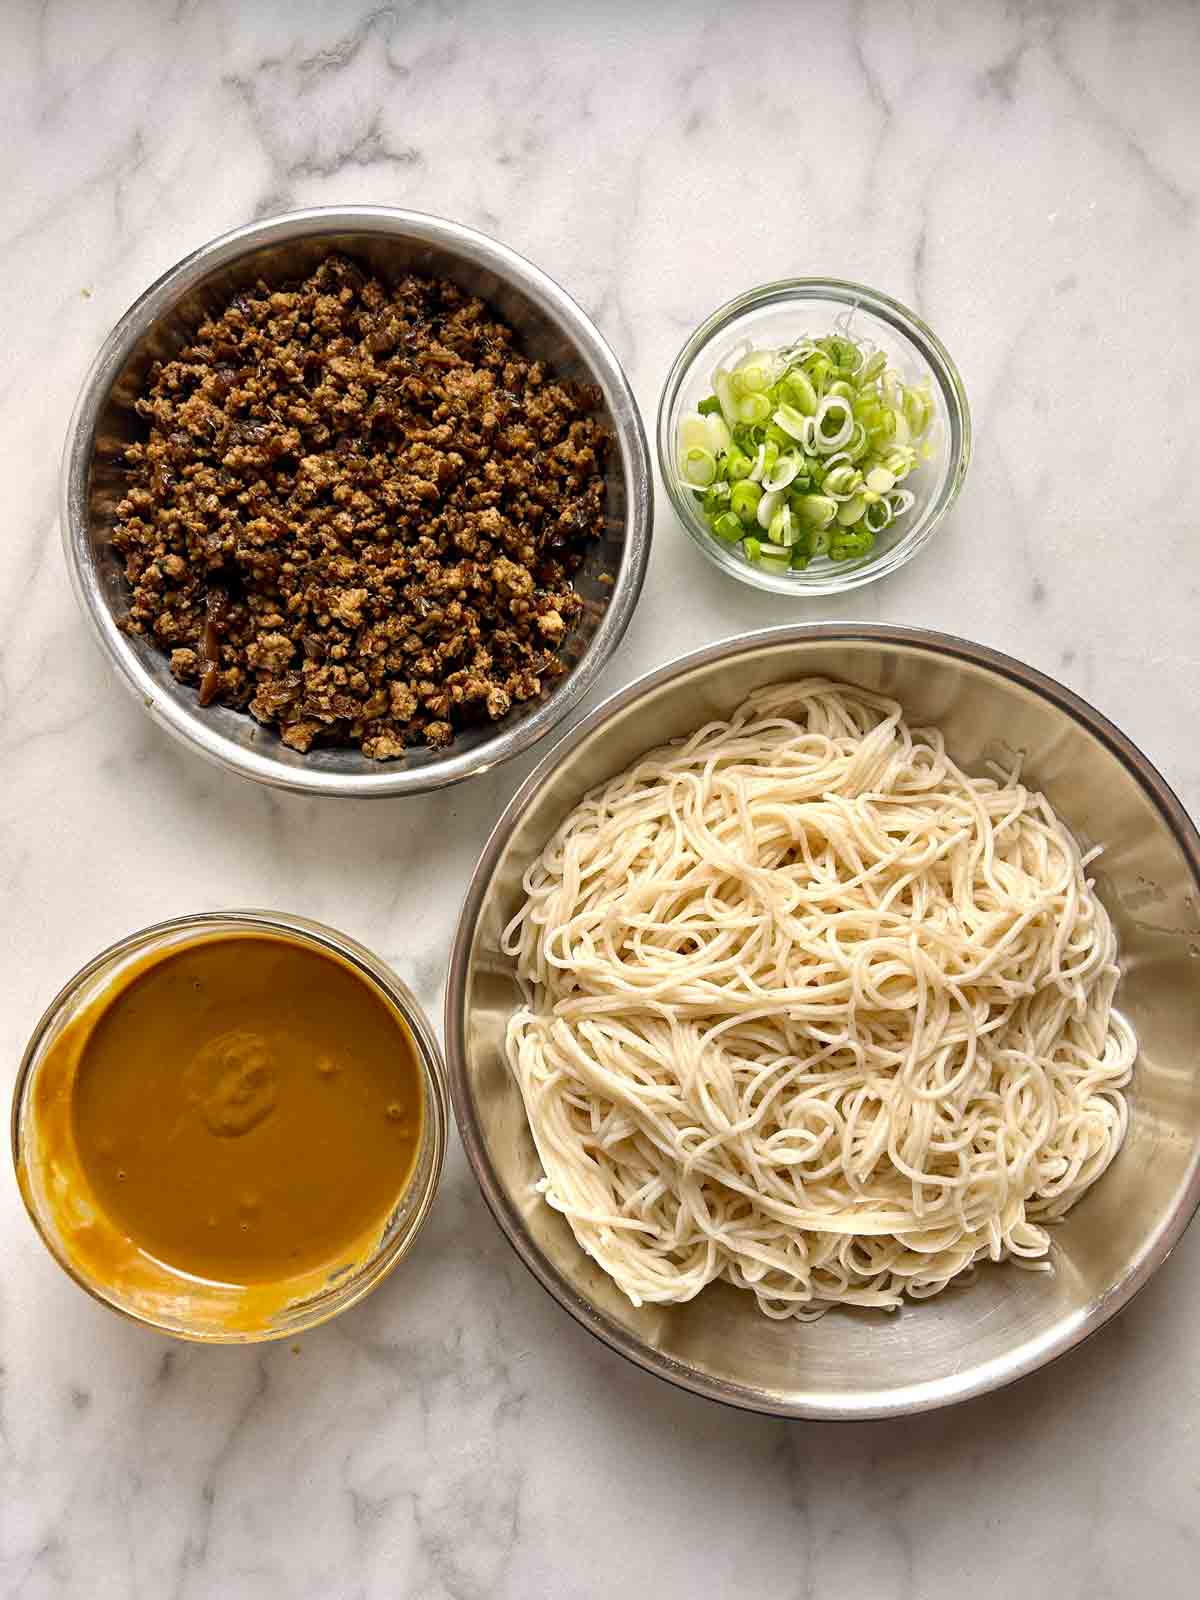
173,1302
549,324
1007,1322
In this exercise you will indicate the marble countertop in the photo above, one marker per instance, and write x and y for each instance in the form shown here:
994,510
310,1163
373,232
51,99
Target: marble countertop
1025,176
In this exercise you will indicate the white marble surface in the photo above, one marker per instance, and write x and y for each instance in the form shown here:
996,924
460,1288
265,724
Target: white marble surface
1024,175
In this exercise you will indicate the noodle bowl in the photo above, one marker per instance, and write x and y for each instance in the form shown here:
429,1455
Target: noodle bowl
811,1010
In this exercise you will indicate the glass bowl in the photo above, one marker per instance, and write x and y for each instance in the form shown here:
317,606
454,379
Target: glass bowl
775,315
159,1296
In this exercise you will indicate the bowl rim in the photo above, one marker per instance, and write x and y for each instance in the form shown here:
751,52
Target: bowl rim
338,1297
186,724
832,579
905,1399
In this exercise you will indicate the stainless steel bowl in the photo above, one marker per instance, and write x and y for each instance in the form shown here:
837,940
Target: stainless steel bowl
390,242
1007,1323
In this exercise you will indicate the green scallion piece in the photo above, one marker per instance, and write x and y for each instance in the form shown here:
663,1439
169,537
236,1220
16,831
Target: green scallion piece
737,464
783,529
753,408
797,390
843,479
816,510
699,467
743,500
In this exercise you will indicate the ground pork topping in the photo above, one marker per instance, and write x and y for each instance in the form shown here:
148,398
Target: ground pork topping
356,511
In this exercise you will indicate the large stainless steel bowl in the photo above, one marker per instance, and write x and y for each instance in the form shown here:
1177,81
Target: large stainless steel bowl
1008,1322
390,242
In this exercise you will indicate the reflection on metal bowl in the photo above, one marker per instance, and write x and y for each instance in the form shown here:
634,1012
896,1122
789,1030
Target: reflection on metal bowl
390,243
1006,1323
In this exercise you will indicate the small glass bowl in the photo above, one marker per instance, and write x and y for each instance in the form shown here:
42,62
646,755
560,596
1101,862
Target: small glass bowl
776,315
171,1301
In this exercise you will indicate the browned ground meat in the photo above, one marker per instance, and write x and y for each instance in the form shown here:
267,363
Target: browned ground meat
357,510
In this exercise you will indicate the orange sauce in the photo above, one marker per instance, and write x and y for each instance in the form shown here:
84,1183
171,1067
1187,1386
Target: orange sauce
242,1109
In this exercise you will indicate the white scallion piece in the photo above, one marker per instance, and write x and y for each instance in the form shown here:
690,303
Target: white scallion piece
719,437
693,433
767,508
783,472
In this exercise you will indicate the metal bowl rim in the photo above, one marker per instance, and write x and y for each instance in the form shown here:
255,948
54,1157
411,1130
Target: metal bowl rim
189,726
909,1399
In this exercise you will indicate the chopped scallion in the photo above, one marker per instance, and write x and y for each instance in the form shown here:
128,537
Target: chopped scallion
699,467
783,471
798,452
744,498
767,508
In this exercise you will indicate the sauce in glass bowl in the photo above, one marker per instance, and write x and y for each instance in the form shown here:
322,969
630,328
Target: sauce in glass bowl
226,1130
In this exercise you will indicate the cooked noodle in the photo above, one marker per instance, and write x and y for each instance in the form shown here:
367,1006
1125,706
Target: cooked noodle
812,1011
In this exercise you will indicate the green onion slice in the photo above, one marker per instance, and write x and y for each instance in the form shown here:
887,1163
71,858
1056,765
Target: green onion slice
835,421
783,529
816,510
783,472
744,498
753,408
719,438
723,386
699,467
755,373
878,516
767,508
693,433
794,423
842,481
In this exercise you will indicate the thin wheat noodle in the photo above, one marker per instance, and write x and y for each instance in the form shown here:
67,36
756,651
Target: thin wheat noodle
812,1011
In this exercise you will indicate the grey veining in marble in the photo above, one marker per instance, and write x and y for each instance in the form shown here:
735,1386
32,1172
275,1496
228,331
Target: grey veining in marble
1026,176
